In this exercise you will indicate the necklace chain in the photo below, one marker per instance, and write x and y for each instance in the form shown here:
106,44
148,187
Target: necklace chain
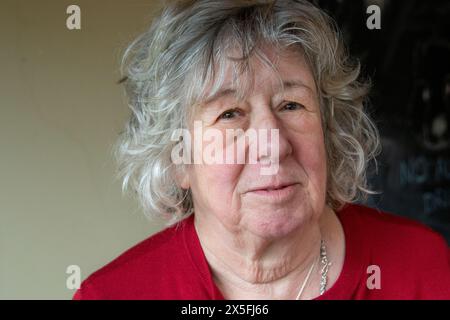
325,267
323,272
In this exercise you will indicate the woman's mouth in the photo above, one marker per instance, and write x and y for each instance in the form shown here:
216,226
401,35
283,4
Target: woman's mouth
281,193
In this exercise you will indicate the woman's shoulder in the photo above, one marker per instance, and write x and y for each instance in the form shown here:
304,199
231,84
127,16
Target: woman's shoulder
385,226
141,264
411,259
155,246
395,239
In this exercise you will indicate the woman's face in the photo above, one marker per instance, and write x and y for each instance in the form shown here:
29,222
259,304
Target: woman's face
237,195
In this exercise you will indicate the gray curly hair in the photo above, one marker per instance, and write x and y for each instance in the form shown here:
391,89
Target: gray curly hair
168,68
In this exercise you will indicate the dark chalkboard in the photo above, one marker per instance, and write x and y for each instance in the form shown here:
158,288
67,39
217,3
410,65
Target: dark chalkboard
408,61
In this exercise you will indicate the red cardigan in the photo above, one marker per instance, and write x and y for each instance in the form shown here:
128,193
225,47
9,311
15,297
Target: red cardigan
414,263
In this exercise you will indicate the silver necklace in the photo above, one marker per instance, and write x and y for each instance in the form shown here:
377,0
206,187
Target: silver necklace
323,272
325,267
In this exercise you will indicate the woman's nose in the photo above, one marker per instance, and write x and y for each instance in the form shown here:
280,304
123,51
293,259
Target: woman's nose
272,143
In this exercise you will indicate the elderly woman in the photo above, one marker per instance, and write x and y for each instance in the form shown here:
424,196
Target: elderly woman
234,231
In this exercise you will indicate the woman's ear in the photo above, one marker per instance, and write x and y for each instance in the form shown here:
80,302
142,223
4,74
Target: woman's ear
182,178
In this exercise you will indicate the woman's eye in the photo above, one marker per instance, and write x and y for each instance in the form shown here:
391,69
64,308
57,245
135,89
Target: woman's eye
230,114
291,106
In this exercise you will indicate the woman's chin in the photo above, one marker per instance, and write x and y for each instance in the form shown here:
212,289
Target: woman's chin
275,225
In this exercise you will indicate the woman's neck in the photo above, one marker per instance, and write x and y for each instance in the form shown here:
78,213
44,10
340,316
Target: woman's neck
246,266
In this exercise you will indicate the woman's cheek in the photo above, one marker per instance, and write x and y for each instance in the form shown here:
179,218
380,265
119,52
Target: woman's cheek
311,155
220,179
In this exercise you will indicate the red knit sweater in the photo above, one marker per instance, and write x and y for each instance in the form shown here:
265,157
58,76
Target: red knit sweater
414,263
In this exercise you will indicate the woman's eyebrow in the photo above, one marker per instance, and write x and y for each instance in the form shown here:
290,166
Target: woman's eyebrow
226,92
296,84
220,94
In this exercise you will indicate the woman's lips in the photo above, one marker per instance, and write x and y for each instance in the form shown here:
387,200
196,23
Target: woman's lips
278,194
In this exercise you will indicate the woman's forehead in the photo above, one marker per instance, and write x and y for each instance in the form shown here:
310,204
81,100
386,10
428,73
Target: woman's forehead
282,69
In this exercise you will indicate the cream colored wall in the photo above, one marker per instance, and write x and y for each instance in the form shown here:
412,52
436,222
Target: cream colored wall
60,111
